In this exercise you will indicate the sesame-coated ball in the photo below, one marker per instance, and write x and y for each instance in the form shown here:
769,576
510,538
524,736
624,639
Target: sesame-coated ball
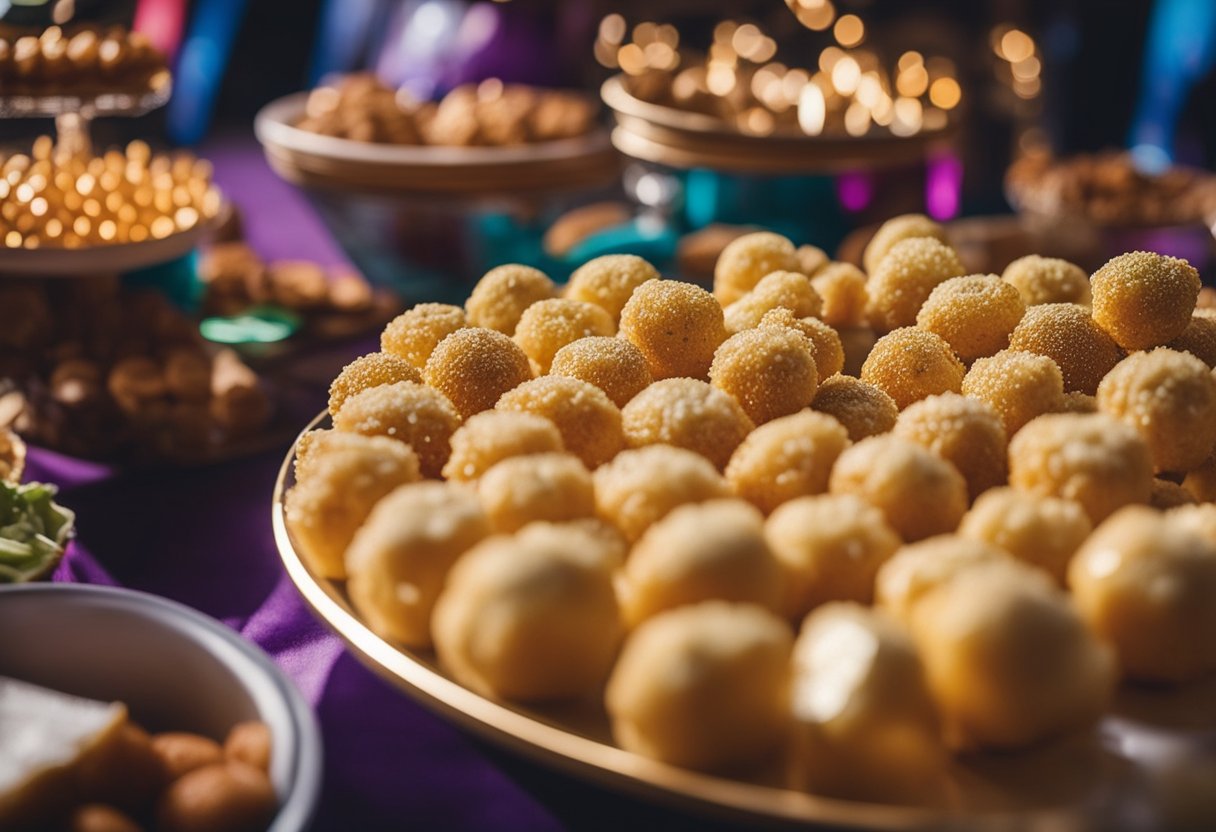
811,259
473,367
842,286
552,487
548,325
369,370
1199,339
896,230
975,314
829,350
910,364
676,325
417,415
770,371
641,486
920,493
1019,386
1069,336
494,435
1170,398
1094,459
1143,299
831,547
779,290
1048,280
747,259
689,414
612,364
590,424
917,570
609,281
963,431
863,409
900,284
1042,531
413,334
1077,402
700,552
787,458
503,293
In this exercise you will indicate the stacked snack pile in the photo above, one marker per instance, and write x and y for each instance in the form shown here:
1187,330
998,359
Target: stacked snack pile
674,499
83,62
95,370
362,108
57,198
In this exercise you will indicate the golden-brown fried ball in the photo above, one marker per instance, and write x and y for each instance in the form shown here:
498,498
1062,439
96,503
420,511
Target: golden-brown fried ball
366,371
810,259
842,286
901,283
490,437
831,547
915,571
549,325
531,617
769,371
413,334
1199,518
910,364
700,552
1168,494
896,230
415,414
473,367
590,424
1143,299
747,259
920,493
689,414
1048,280
786,458
1042,531
1170,398
963,431
1094,459
1069,336
1147,585
1078,402
609,281
1199,339
612,364
1019,386
829,350
703,686
499,299
642,486
552,487
975,314
339,479
399,559
779,290
676,325
863,409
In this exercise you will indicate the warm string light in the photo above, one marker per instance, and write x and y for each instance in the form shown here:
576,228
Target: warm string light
1020,66
55,199
846,91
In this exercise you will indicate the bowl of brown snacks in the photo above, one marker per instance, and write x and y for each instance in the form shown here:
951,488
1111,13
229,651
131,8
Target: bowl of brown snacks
1089,207
131,712
720,549
437,192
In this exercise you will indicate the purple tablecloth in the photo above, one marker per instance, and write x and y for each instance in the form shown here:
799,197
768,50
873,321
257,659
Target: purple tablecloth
202,536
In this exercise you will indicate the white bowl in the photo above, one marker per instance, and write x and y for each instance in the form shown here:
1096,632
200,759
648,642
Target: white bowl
176,669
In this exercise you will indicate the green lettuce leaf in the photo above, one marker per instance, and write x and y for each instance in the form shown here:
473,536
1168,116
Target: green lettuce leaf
34,530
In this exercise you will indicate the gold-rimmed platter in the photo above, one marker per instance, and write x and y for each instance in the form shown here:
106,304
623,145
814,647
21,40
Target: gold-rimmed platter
1150,764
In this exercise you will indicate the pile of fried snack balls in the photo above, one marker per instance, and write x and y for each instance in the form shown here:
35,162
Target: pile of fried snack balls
635,489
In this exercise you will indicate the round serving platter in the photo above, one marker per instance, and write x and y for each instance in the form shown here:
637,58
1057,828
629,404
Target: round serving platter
313,160
1150,764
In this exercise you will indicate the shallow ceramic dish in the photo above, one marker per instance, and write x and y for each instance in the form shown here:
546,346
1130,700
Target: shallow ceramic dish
175,668
1150,764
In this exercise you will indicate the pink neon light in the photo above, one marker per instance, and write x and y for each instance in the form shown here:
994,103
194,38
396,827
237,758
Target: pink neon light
855,190
163,22
943,186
